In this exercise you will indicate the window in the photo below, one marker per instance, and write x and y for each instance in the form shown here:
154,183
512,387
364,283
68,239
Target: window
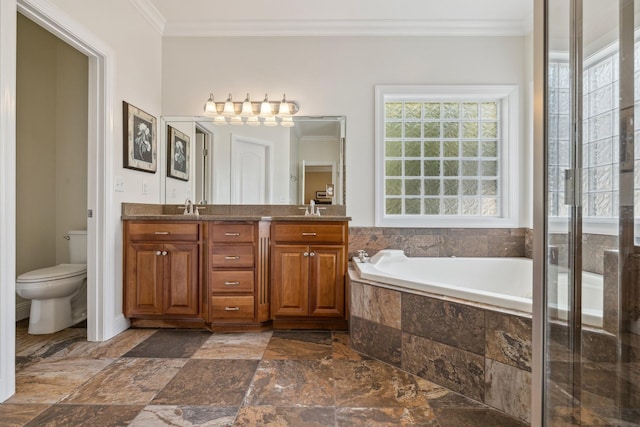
600,138
446,155
599,135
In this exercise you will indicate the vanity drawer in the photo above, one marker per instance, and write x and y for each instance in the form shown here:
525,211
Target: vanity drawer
223,256
308,232
232,308
232,233
159,231
231,281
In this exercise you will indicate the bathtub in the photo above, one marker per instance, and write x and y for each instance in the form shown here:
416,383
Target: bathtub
500,282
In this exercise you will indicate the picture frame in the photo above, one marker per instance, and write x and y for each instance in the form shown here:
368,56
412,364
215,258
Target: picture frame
179,154
329,188
139,139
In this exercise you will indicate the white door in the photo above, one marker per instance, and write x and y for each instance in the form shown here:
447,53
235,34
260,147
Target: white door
249,171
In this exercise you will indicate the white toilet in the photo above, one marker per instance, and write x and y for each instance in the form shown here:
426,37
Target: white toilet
58,294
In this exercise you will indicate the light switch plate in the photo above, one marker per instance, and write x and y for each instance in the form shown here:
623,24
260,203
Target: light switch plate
119,184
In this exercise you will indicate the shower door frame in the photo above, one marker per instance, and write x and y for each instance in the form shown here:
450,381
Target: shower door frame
626,247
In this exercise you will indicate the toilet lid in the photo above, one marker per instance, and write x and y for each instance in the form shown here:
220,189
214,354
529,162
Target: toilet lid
51,273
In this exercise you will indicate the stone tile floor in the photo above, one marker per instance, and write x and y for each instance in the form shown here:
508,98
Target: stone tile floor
149,377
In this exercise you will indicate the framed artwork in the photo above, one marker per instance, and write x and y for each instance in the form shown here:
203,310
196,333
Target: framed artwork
329,188
139,129
179,154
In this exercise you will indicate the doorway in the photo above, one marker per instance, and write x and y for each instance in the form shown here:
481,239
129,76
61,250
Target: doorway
592,298
51,153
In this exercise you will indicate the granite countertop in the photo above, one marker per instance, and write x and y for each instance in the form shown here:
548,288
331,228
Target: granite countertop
157,212
227,217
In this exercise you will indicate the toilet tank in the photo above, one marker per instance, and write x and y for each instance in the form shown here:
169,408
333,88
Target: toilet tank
77,246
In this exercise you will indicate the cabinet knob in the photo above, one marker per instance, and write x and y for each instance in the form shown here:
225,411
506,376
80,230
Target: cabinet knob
312,254
158,253
164,253
306,254
232,309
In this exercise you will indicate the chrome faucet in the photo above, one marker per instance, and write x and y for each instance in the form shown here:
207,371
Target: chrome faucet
362,255
312,210
188,207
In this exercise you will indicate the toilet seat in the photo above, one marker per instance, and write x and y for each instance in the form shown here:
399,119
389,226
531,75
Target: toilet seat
61,271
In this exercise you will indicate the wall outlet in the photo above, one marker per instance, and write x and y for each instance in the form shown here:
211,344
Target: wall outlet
145,187
119,184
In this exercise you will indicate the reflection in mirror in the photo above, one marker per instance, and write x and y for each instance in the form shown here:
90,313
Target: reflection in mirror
261,165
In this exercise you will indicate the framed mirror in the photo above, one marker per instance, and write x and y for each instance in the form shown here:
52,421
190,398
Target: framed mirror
258,165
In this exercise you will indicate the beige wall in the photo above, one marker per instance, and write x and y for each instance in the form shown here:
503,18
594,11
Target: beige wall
315,181
51,153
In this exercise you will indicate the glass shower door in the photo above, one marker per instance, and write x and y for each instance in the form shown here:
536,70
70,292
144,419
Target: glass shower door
592,338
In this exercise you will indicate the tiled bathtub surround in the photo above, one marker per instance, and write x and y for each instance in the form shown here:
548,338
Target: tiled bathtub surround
440,242
482,353
593,248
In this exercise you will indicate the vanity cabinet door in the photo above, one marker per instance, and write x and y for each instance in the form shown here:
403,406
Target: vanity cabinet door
326,281
144,279
309,266
290,280
181,287
162,272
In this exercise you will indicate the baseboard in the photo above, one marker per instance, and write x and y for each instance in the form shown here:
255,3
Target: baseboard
22,310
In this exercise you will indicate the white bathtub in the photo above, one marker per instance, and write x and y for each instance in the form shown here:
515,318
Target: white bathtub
501,282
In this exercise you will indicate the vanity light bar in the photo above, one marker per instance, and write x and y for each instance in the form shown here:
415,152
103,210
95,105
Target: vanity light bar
252,113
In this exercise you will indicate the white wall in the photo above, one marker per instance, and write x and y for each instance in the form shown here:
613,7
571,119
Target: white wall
334,76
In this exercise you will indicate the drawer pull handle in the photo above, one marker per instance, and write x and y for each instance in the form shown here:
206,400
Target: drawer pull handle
231,283
232,258
232,308
309,234
231,234
162,232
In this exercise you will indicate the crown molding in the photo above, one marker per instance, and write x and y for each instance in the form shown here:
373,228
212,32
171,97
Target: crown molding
151,14
275,28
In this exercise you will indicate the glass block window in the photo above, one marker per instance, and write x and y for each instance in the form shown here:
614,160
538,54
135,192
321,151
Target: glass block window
441,156
600,136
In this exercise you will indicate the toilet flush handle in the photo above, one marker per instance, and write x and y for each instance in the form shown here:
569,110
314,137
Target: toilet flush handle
66,237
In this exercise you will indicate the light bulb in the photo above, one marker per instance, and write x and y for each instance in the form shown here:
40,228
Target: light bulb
287,122
210,106
228,110
252,121
247,108
220,121
265,108
284,110
270,121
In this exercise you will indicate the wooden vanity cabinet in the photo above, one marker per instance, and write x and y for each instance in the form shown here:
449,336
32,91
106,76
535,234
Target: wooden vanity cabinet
308,263
162,272
234,282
